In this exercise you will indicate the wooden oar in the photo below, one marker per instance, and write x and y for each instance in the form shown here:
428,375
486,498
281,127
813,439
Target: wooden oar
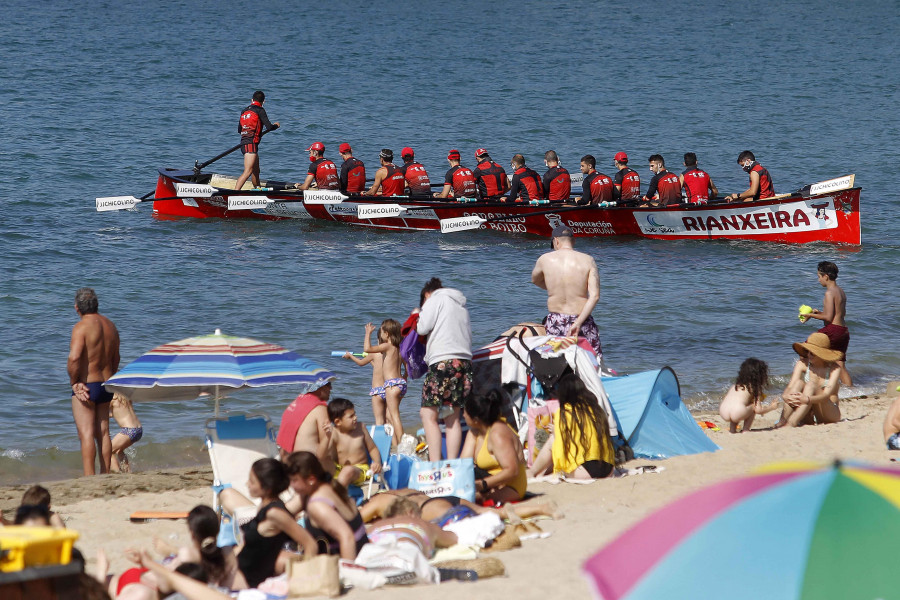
199,167
474,222
185,190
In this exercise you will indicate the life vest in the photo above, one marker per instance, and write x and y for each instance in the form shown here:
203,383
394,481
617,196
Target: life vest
491,179
462,181
416,179
557,184
766,187
353,174
630,182
250,125
326,174
394,183
597,188
530,185
696,184
669,188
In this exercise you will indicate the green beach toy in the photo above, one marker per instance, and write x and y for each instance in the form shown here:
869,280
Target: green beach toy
805,311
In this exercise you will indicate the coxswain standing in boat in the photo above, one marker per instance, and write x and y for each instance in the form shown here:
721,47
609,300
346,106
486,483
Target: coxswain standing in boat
761,185
698,185
459,182
389,178
250,126
526,184
627,182
416,177
489,176
322,171
596,187
557,182
353,171
665,187
573,289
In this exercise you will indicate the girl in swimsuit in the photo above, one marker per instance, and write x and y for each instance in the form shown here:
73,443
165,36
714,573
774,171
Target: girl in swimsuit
812,395
389,340
332,518
377,391
743,401
497,451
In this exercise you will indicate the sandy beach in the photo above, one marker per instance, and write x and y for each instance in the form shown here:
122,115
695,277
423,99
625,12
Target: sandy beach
98,507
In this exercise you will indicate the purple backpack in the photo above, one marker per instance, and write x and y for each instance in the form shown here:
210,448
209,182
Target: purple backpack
413,354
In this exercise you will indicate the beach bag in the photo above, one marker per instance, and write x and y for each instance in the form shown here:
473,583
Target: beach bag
316,576
545,370
413,354
398,472
444,478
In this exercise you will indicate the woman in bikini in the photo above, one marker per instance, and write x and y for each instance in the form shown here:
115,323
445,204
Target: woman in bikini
403,523
332,518
500,469
812,395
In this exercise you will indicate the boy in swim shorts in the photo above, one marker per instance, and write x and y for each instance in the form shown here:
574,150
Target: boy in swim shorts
121,409
355,453
833,313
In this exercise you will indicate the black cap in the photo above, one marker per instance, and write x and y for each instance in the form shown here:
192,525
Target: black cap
562,231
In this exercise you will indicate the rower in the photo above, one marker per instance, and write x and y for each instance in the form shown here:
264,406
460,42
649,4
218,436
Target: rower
596,187
459,182
627,181
761,186
557,182
389,178
322,170
250,126
489,176
526,183
698,185
353,171
416,177
665,188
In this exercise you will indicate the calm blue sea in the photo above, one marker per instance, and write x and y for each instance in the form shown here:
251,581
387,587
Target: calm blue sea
97,95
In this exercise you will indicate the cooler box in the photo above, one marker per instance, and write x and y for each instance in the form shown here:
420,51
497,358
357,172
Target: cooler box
22,547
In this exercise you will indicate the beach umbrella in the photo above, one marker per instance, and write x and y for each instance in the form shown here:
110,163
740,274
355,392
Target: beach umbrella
213,365
793,530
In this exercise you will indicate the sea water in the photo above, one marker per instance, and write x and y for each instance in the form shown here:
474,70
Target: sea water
97,95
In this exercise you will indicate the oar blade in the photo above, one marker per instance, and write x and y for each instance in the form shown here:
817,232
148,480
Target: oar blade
197,190
378,211
116,203
455,224
323,197
832,185
248,202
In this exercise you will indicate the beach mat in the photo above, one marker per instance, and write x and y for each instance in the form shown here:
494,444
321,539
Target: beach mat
142,516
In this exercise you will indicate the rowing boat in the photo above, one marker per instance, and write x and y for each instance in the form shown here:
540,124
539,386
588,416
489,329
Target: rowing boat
824,212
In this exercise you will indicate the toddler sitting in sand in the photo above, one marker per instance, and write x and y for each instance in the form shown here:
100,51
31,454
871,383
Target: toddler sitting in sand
355,451
743,401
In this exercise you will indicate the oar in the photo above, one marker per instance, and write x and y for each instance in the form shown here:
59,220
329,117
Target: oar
199,167
474,222
185,190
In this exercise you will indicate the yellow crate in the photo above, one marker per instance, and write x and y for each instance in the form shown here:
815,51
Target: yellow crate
22,547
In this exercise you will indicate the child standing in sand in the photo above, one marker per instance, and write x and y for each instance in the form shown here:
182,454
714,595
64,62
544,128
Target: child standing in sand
355,451
377,391
121,409
743,401
389,339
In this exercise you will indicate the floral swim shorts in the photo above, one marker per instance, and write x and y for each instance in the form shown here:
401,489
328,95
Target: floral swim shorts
447,383
558,324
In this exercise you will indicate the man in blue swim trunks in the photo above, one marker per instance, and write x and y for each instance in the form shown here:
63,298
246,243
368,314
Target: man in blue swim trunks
93,358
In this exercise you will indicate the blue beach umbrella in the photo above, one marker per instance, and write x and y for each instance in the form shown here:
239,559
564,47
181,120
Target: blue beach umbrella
212,364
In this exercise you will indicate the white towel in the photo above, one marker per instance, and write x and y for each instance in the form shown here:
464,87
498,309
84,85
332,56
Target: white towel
477,531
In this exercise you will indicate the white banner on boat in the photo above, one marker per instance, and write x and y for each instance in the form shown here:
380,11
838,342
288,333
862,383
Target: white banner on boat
323,197
832,185
116,203
247,202
790,217
195,189
378,211
461,223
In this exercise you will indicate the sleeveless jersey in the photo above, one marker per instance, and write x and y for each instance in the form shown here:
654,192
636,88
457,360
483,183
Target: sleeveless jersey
251,122
596,187
766,187
394,183
462,181
668,187
353,176
526,186
629,182
696,185
416,179
557,184
491,179
325,173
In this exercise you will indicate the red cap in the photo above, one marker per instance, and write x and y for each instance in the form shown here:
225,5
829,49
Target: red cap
454,155
481,152
407,152
318,146
621,157
345,147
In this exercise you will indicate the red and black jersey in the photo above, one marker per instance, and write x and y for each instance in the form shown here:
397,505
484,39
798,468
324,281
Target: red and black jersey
491,179
325,173
667,186
394,183
416,179
461,181
696,185
557,184
628,184
766,187
597,187
526,186
353,176
252,121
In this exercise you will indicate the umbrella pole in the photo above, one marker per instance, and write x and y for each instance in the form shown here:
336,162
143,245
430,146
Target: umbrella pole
217,402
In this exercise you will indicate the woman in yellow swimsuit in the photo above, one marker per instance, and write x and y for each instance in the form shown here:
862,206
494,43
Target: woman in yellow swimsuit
497,451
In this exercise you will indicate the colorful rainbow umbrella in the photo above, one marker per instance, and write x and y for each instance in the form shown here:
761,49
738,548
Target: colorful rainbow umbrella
794,530
196,366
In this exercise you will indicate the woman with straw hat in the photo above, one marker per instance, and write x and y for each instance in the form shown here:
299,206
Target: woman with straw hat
812,395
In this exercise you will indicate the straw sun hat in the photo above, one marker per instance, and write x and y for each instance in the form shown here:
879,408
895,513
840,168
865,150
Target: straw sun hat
820,345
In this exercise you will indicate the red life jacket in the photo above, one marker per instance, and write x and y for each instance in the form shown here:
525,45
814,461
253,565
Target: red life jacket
394,183
669,188
250,125
416,179
560,184
696,184
491,179
601,187
356,175
463,182
530,185
631,184
326,175
766,187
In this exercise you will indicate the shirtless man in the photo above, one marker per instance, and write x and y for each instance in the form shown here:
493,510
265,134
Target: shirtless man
354,449
93,358
305,426
833,312
573,289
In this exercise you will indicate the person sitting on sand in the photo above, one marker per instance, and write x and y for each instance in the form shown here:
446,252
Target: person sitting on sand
305,425
580,446
32,515
272,527
40,496
892,426
499,457
356,455
743,400
812,394
332,518
130,432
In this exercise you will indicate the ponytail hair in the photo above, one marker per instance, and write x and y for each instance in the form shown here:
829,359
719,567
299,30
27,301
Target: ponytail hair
306,464
203,524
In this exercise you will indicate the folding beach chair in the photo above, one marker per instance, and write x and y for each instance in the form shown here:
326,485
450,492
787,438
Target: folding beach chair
382,435
234,443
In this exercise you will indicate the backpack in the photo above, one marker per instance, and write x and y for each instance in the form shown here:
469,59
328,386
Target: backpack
546,370
413,354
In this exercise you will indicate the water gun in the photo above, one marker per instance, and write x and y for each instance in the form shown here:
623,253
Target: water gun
805,311
339,353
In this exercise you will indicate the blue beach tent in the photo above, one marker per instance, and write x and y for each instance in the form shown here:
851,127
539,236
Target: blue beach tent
652,417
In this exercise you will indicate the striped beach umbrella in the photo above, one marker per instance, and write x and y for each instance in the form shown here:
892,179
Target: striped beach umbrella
213,365
792,530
